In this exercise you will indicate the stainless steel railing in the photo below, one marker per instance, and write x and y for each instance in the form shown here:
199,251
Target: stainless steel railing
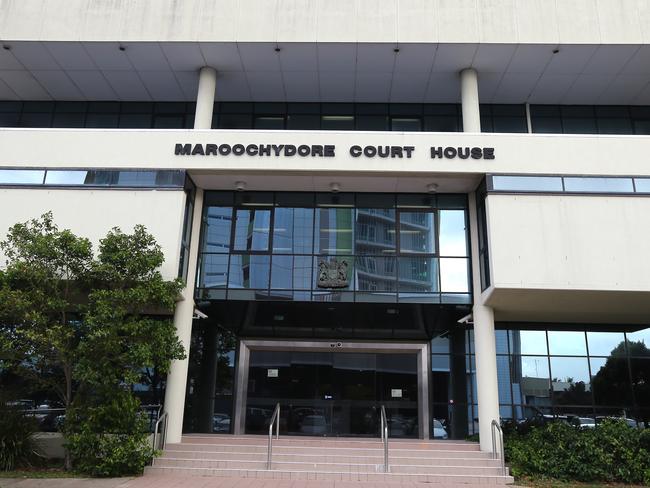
496,429
384,437
275,419
163,434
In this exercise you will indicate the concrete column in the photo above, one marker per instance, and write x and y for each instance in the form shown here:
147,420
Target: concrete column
484,343
205,98
177,377
470,101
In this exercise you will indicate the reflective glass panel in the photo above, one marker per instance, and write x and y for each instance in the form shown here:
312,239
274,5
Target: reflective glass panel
21,177
418,275
529,341
417,232
453,235
440,345
216,233
567,343
252,229
375,231
292,230
334,231
501,341
638,342
406,124
375,273
503,379
571,381
641,379
454,275
616,185
642,184
249,271
291,272
606,343
610,381
213,272
531,381
527,183
65,177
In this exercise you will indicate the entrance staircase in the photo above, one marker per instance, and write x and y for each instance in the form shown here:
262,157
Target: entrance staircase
318,458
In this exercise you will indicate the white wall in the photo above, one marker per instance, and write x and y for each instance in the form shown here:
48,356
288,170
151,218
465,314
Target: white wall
461,21
92,213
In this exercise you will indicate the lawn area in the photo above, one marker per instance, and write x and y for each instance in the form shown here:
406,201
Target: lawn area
546,483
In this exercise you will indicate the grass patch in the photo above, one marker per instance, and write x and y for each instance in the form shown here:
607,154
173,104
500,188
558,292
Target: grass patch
549,483
48,469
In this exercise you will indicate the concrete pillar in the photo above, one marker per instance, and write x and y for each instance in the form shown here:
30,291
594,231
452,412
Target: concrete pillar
484,343
469,100
205,98
177,377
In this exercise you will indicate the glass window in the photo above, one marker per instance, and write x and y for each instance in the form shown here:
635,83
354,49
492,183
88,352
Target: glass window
213,271
638,342
303,122
642,184
585,184
375,273
372,122
571,381
606,343
510,124
504,379
337,122
292,230
403,124
441,123
454,275
418,275
527,183
530,341
21,176
334,228
252,229
375,231
440,345
546,125
453,233
275,123
640,379
235,121
567,343
249,271
417,232
291,272
216,229
102,120
169,121
56,177
610,381
73,120
135,121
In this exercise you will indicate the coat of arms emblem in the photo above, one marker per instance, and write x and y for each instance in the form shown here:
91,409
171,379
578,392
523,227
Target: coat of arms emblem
332,274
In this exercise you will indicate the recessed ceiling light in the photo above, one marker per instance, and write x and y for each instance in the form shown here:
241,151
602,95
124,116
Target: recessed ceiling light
277,49
122,48
240,185
432,187
555,51
396,50
6,47
335,187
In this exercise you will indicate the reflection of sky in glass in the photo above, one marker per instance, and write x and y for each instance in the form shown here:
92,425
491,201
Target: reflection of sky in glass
596,365
567,343
575,368
640,336
534,367
23,176
453,275
452,233
532,341
602,343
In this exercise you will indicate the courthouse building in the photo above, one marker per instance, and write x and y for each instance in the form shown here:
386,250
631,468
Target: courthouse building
438,206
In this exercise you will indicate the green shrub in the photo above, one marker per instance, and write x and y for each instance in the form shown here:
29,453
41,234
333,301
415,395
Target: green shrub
17,445
109,439
611,452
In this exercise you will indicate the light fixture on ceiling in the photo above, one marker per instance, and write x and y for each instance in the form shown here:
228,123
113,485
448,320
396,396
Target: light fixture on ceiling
396,49
240,185
335,187
122,48
277,49
6,47
556,50
432,187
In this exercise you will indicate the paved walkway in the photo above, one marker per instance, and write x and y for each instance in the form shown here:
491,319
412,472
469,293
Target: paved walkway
199,482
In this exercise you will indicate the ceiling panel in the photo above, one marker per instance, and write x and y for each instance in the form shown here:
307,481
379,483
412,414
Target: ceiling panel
232,85
551,88
24,85
93,85
70,55
587,89
301,86
415,58
609,59
266,86
375,58
493,58
223,56
183,56
33,55
127,85
530,59
570,59
443,88
162,85
7,93
189,83
58,85
624,90
107,55
372,87
8,61
336,86
515,87
639,63
453,57
299,57
409,87
644,97
337,56
147,56
259,56
487,86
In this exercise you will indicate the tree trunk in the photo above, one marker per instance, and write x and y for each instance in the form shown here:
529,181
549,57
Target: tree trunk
68,396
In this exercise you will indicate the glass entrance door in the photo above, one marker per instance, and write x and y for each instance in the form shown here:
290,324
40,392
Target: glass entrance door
332,393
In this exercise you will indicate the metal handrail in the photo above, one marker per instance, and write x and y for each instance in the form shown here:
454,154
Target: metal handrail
275,418
497,428
163,418
384,437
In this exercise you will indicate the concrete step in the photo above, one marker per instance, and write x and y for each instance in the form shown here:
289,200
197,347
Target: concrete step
447,479
326,467
373,457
